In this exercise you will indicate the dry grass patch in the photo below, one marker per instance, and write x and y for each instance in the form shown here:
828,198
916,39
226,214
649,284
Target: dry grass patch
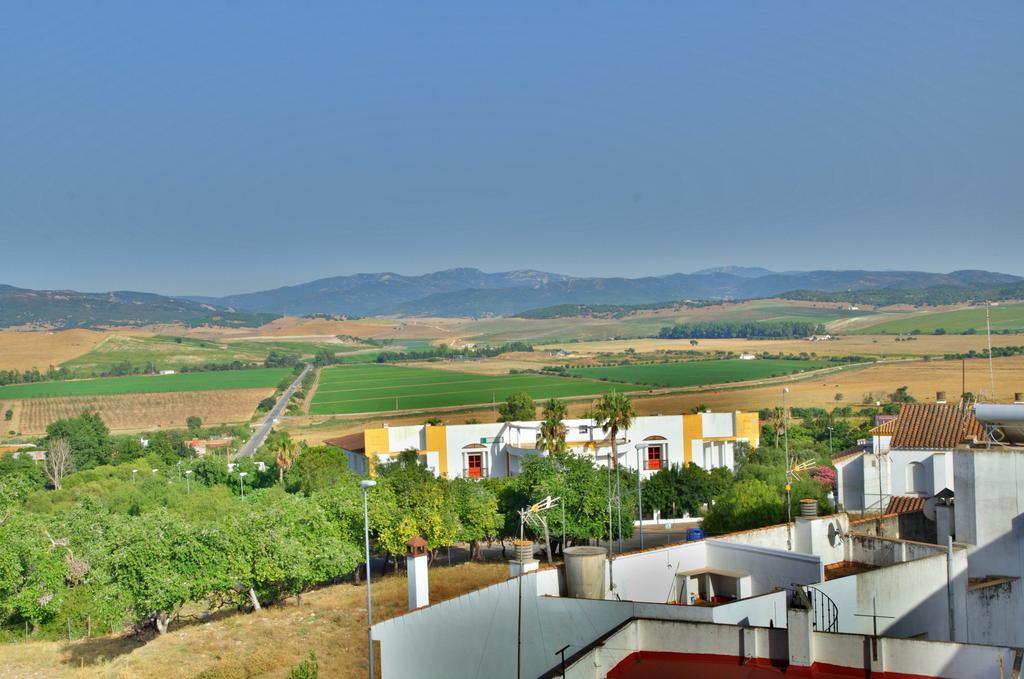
138,412
865,345
40,348
331,622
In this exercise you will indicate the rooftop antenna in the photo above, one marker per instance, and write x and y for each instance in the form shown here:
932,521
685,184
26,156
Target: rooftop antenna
991,373
532,515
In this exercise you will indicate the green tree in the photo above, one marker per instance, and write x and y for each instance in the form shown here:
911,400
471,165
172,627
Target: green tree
324,357
162,563
516,408
193,423
747,504
88,437
32,569
282,544
317,468
477,511
285,452
614,413
552,432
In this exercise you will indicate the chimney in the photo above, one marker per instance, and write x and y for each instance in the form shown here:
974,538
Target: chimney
940,397
416,567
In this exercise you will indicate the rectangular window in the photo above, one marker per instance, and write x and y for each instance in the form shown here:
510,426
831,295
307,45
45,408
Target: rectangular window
584,429
654,457
475,465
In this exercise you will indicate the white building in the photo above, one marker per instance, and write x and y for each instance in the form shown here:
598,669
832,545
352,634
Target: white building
498,449
844,599
988,518
911,455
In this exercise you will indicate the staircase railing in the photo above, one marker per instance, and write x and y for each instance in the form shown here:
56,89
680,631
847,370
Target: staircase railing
826,613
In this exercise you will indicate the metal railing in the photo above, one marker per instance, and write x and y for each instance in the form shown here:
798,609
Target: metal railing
475,473
826,613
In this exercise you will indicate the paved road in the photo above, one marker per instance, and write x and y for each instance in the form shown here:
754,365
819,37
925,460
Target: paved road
260,435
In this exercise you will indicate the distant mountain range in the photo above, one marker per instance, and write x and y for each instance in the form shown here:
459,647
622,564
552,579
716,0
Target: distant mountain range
70,309
469,292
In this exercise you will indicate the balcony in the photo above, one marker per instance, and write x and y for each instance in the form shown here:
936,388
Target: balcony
475,473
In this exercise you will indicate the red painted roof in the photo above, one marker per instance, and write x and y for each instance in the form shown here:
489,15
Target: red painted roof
355,443
905,504
666,665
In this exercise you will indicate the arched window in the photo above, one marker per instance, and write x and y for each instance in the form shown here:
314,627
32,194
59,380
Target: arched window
916,480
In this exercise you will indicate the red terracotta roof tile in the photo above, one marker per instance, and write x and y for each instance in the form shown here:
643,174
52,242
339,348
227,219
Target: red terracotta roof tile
886,428
935,426
905,504
849,453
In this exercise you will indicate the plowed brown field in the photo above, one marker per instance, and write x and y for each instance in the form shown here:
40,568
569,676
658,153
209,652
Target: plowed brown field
137,412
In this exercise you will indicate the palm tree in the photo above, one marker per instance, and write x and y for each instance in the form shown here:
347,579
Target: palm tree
552,433
285,452
614,412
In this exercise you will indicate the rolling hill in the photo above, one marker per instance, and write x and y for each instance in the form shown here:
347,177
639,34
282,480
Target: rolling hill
471,292
59,309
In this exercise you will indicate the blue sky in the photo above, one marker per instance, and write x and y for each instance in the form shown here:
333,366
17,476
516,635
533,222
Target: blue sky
209,148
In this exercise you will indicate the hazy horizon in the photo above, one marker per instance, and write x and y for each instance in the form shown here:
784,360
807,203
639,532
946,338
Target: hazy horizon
198,149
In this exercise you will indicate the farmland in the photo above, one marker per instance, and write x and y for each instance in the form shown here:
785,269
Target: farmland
136,412
694,373
39,349
372,388
149,384
1009,317
167,352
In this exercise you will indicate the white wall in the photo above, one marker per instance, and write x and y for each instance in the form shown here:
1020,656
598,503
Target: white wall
769,568
651,575
912,594
476,634
989,518
717,425
851,484
938,471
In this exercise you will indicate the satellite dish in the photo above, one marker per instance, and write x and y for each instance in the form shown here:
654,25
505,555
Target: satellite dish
833,534
929,508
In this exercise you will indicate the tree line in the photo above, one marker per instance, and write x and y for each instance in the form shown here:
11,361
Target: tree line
444,351
734,329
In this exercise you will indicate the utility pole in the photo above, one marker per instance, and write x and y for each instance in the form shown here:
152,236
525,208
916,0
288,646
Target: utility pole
366,486
639,497
789,486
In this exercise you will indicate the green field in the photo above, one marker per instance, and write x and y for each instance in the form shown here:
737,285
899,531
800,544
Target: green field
174,353
372,388
150,384
549,330
695,373
1004,317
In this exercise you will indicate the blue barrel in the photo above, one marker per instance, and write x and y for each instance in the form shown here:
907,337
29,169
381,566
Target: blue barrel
694,534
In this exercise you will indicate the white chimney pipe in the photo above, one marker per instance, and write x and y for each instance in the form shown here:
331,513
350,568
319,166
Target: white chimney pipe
416,567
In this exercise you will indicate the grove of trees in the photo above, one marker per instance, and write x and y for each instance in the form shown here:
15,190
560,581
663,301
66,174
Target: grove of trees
135,538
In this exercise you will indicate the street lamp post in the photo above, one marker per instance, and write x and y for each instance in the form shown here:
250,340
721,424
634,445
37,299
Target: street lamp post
367,485
830,440
639,497
188,484
241,482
